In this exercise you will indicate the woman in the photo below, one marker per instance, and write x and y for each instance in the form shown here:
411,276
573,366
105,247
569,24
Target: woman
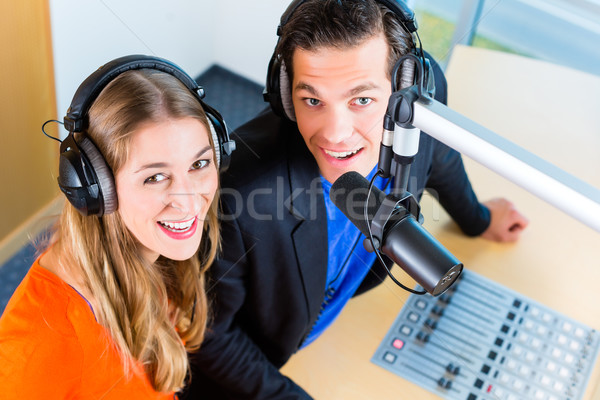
113,305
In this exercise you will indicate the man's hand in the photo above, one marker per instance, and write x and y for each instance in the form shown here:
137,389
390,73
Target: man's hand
506,222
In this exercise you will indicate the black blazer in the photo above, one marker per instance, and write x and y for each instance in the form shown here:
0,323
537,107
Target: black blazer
268,283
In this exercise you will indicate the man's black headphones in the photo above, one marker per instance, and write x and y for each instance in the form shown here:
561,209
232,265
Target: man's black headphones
277,90
84,176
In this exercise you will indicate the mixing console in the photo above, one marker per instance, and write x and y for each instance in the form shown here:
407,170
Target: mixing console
483,341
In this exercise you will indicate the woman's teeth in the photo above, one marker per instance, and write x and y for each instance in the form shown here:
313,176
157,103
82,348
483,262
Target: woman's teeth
177,226
340,155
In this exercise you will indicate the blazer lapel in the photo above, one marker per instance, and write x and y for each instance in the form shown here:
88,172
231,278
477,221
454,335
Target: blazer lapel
307,205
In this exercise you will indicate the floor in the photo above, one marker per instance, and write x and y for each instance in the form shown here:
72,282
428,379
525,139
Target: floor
236,98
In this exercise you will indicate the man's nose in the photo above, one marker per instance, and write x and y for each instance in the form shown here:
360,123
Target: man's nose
338,125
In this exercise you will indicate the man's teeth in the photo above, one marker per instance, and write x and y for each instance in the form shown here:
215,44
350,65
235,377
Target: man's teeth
341,154
177,226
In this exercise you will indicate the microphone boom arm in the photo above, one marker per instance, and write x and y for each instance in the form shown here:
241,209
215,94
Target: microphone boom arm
541,178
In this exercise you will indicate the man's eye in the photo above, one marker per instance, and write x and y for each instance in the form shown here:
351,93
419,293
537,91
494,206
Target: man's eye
363,101
312,102
155,178
200,164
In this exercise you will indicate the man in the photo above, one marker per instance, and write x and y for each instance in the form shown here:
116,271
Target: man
290,259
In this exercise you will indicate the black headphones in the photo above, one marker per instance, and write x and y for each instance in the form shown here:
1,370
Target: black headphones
84,176
277,90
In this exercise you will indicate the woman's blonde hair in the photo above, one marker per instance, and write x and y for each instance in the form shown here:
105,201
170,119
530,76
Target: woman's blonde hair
154,313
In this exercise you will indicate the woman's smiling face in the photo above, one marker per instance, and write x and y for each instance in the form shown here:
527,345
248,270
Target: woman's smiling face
166,187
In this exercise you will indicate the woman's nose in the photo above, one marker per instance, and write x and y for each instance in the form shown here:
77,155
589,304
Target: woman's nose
185,195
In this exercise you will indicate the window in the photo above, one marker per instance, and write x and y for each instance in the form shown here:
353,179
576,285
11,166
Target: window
564,32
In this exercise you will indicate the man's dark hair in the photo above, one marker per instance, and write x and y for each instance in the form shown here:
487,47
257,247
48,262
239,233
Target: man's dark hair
341,24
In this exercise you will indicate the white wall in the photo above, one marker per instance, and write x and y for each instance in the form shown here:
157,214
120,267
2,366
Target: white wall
88,33
246,35
237,34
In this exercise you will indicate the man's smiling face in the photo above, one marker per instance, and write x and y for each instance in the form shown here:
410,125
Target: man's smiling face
340,97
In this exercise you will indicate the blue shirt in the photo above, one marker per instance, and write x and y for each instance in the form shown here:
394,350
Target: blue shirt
348,262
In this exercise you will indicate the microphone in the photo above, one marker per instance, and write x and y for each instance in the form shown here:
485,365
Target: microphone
400,139
397,234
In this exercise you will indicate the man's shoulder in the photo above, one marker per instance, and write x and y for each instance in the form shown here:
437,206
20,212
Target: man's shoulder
261,151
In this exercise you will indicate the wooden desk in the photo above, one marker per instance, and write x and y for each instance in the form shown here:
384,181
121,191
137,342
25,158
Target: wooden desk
557,261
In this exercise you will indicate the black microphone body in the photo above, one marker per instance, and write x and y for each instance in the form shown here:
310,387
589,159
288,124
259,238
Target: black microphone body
403,240
349,194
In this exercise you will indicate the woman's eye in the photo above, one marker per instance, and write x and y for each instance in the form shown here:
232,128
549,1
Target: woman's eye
200,164
155,178
363,101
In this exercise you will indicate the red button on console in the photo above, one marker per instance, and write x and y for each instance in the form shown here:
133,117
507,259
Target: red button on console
398,343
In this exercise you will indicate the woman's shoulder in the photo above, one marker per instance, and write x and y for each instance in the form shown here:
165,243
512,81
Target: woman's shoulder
41,303
37,339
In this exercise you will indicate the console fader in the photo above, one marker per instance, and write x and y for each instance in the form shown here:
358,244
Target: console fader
483,341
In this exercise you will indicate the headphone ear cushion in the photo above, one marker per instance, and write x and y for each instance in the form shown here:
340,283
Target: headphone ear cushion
429,79
285,93
104,176
216,142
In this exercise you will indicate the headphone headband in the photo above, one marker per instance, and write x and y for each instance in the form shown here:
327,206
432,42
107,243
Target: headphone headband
403,12
399,8
277,85
90,88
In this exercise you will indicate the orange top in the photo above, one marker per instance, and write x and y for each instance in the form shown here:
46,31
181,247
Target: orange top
52,347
